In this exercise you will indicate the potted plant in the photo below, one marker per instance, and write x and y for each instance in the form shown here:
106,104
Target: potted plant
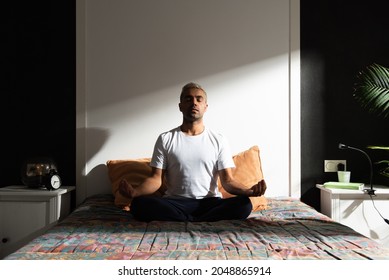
372,93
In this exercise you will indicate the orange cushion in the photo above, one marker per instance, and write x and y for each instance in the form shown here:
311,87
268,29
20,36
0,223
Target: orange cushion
248,171
135,171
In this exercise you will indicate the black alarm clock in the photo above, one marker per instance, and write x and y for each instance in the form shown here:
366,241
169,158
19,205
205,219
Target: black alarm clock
52,180
41,173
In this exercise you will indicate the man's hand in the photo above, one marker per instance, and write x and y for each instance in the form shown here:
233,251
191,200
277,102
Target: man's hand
258,189
126,189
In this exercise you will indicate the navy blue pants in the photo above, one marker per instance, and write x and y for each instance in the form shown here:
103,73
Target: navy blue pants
149,208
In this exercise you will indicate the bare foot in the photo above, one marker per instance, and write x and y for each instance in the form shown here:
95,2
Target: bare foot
126,189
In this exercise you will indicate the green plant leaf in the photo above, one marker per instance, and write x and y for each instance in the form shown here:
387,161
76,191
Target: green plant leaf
372,90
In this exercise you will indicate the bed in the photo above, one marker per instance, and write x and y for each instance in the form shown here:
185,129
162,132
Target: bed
279,228
287,229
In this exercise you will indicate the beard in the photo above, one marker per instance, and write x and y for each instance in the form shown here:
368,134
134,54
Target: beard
192,116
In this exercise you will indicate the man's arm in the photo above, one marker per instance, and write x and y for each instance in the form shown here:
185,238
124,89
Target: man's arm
236,188
150,185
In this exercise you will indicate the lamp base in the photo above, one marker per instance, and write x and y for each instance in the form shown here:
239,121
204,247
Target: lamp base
370,192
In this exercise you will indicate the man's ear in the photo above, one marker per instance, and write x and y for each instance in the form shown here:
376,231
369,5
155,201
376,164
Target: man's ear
179,106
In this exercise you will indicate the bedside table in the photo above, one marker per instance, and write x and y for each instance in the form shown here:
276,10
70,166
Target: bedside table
355,209
25,213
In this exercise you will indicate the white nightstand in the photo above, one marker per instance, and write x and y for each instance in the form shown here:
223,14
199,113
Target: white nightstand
355,209
26,213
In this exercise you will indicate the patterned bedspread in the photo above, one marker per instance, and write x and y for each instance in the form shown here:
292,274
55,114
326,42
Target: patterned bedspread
288,229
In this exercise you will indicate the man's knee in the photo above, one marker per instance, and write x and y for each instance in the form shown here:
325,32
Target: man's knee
139,207
237,208
245,207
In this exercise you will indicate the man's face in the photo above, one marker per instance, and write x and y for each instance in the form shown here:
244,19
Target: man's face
193,105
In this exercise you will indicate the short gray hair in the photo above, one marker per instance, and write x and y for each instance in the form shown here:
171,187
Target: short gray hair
189,86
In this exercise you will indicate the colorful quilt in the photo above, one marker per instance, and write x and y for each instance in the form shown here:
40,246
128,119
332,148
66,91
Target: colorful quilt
287,230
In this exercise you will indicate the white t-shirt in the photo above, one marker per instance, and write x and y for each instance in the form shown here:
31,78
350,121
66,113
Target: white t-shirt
191,163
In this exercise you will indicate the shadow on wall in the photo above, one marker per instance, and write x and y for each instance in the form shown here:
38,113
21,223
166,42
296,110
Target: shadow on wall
98,176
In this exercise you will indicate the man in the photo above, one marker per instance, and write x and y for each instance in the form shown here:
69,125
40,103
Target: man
191,157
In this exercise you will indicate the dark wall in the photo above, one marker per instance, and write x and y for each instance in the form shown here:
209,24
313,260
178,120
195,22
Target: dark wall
338,39
38,107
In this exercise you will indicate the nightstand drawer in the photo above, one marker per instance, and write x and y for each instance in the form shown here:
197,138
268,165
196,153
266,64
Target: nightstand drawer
19,220
26,213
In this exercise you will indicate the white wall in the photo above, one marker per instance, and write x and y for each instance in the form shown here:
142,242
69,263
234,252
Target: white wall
133,57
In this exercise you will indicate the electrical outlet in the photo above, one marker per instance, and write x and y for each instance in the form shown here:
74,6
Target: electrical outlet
331,165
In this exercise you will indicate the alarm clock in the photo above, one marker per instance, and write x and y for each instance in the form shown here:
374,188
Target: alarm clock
52,180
